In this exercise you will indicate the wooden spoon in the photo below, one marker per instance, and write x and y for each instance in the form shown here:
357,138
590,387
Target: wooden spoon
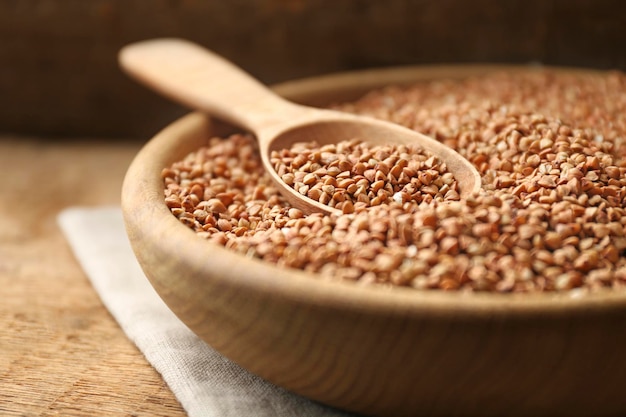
198,78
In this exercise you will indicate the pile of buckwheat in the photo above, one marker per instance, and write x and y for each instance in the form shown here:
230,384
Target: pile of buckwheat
352,175
551,151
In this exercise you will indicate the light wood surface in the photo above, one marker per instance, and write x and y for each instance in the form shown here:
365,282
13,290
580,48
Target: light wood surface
61,353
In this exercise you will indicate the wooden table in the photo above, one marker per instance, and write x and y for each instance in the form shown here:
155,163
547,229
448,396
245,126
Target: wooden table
61,352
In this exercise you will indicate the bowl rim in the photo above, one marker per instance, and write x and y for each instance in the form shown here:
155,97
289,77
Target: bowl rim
298,285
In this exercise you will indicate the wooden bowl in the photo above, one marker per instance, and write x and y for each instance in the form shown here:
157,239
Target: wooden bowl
393,352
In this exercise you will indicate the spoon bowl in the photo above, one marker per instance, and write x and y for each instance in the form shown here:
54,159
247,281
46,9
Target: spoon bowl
198,78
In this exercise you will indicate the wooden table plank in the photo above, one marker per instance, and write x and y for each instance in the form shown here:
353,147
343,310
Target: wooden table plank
61,352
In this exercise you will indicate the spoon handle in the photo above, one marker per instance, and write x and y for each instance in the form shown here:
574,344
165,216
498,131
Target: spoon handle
195,76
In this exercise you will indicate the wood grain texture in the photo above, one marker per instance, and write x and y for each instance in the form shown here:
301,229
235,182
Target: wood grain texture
61,351
387,353
59,56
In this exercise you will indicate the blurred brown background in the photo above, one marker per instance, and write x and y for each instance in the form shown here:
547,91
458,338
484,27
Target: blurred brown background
59,77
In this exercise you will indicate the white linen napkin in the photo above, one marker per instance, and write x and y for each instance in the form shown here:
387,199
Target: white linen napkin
205,383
